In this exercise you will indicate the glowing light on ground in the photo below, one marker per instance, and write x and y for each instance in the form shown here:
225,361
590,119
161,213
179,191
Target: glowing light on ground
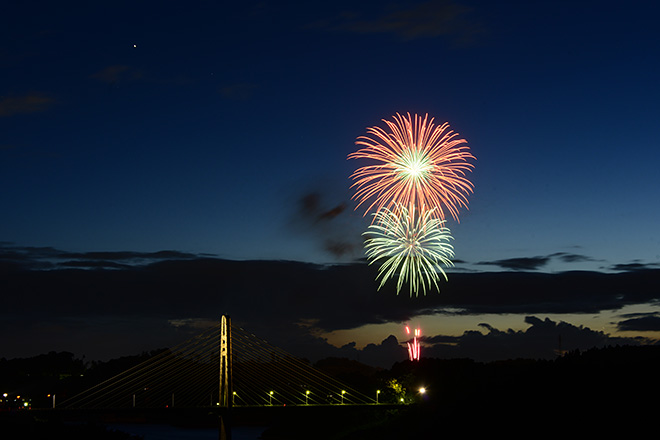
410,245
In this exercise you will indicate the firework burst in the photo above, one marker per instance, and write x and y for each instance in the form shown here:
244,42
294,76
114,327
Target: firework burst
414,349
411,244
416,164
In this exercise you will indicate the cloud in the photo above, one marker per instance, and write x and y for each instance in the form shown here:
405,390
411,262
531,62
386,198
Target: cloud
541,261
522,263
101,338
422,20
195,324
289,303
31,257
544,339
312,209
30,103
571,258
117,73
336,297
564,292
383,354
133,256
637,265
93,264
327,223
649,322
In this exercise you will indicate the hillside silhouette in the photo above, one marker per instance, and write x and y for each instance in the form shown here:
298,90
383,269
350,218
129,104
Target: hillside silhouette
616,385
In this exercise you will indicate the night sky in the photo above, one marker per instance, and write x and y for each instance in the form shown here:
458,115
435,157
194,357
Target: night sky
144,140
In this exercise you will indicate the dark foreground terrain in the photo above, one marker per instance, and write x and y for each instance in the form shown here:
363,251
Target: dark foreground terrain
600,392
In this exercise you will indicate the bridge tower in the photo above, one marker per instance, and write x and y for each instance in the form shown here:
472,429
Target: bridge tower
225,363
225,392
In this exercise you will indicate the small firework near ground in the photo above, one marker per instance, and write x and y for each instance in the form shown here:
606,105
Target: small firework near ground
414,350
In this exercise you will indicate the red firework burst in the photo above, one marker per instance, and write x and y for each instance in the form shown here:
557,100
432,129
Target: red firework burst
416,164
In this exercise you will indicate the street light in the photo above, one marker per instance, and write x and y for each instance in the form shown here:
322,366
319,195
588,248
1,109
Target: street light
422,390
377,393
342,396
306,396
233,398
271,397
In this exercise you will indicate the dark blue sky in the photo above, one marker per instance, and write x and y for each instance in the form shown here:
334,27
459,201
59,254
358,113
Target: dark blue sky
204,137
203,126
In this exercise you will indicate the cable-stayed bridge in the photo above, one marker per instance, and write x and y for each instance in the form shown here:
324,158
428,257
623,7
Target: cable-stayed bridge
225,366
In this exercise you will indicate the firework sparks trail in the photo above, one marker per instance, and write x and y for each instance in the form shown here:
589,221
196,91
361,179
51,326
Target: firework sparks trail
417,164
413,244
414,350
